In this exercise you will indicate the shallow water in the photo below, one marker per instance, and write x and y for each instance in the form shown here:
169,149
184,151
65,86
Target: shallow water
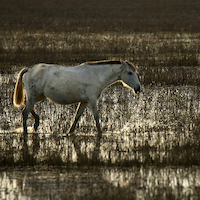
100,183
149,149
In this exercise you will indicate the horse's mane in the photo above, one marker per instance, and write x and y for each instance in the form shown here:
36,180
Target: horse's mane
110,62
103,62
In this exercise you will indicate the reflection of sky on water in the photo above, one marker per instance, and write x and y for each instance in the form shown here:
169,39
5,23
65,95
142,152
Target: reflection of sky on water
141,183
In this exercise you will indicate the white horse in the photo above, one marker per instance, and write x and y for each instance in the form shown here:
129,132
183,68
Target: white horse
66,85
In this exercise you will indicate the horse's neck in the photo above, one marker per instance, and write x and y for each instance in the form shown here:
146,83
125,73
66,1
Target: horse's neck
110,74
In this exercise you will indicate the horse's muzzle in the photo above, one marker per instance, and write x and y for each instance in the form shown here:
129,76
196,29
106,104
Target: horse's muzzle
137,89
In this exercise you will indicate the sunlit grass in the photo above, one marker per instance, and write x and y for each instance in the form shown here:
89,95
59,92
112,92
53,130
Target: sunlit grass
159,127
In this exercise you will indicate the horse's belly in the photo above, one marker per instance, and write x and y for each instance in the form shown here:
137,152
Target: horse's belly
62,100
64,97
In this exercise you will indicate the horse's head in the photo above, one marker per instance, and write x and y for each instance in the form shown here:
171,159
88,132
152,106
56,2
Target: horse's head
129,76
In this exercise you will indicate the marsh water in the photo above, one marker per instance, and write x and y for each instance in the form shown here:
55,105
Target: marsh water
149,149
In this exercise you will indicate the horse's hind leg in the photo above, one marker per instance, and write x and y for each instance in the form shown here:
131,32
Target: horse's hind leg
79,111
25,112
25,116
36,117
41,97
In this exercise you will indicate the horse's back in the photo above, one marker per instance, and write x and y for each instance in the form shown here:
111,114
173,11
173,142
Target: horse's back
66,85
42,72
36,76
60,84
42,69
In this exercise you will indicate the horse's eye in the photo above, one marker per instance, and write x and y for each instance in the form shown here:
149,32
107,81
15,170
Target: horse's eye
130,73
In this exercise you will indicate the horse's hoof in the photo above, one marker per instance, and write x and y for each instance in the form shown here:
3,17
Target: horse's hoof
70,134
99,135
35,127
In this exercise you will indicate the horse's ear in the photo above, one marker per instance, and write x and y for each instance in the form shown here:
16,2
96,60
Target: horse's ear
124,64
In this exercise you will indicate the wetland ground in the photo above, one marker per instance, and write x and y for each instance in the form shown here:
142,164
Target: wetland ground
151,142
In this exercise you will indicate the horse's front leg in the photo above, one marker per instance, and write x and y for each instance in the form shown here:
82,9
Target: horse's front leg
79,111
96,117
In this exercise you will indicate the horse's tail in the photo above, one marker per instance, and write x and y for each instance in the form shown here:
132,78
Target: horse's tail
18,98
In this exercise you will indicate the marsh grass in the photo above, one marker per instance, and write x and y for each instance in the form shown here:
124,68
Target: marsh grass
160,127
149,33
144,49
